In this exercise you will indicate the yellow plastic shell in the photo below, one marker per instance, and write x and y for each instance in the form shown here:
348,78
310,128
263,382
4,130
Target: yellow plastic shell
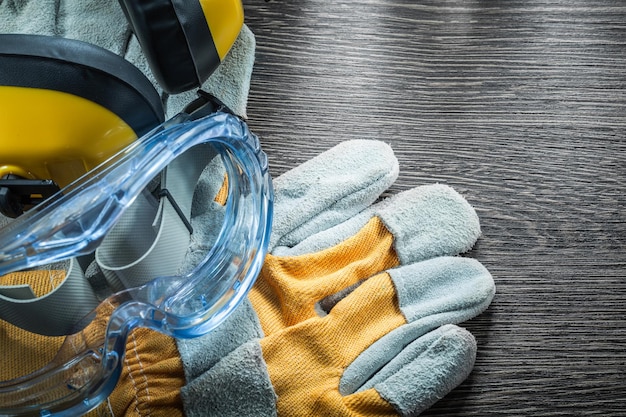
225,19
46,134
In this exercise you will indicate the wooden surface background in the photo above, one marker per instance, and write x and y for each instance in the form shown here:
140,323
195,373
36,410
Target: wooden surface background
520,106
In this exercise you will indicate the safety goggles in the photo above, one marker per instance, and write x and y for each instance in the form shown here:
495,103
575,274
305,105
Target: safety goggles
110,252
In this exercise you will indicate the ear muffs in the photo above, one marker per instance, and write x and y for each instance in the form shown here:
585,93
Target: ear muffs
65,107
184,40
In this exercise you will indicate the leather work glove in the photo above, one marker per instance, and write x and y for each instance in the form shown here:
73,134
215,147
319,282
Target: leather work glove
353,313
357,302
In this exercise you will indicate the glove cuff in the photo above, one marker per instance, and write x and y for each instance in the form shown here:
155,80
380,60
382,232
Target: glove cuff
239,385
201,354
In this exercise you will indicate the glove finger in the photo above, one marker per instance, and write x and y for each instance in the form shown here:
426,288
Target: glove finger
425,371
442,290
429,294
367,330
330,188
426,221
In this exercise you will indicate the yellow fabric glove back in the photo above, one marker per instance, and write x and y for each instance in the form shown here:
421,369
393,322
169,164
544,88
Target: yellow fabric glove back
318,349
288,289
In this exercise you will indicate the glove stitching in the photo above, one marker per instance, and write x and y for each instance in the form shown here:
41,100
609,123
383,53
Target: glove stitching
142,373
110,407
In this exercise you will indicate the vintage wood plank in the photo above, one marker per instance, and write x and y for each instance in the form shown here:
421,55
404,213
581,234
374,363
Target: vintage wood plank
521,106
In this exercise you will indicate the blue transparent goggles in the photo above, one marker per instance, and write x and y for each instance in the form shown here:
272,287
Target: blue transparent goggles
139,241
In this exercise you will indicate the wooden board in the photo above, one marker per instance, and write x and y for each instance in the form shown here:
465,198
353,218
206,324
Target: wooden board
521,107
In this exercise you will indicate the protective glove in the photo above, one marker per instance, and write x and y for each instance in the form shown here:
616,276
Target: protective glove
357,302
351,315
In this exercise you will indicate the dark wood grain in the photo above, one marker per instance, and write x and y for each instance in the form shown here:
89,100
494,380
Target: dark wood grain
519,105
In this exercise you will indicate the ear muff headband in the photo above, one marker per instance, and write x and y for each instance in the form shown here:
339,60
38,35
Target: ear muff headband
184,41
83,70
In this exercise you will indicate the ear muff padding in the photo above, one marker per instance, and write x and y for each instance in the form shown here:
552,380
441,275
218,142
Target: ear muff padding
84,70
176,39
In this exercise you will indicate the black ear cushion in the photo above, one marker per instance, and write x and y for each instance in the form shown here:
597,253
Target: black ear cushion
84,70
176,40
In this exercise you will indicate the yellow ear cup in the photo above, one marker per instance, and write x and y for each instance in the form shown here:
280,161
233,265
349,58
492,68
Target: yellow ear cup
225,18
47,134
65,107
184,40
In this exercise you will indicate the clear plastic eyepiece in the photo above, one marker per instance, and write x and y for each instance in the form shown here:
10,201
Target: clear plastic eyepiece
168,234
